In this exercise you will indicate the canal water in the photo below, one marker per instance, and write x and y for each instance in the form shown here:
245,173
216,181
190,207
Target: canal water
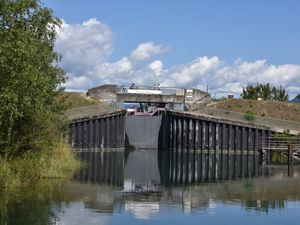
159,187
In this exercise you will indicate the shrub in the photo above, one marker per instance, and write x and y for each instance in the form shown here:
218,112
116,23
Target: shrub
249,116
285,133
265,92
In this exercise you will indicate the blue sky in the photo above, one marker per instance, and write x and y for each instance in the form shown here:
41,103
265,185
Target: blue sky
196,42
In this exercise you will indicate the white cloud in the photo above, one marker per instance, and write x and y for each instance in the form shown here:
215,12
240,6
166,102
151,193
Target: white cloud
197,71
78,82
224,78
87,47
107,69
147,50
157,67
84,44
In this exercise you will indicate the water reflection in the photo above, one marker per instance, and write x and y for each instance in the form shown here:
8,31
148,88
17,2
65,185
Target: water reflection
33,204
189,168
102,166
145,170
258,195
141,172
157,187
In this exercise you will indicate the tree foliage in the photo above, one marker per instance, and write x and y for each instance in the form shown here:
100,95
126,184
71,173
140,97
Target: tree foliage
265,92
29,75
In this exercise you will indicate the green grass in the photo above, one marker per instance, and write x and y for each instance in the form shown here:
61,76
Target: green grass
75,100
249,116
29,167
280,110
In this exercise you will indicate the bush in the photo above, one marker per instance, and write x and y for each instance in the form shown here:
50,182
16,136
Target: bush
265,92
249,116
284,134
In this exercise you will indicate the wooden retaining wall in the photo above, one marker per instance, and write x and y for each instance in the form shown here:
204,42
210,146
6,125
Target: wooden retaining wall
102,132
190,133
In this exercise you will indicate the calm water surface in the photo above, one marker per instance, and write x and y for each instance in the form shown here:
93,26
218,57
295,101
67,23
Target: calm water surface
150,187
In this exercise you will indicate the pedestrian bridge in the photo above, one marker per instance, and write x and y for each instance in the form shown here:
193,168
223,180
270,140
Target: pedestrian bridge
151,95
172,98
175,98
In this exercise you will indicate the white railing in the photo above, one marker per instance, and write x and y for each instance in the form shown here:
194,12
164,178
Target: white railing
155,90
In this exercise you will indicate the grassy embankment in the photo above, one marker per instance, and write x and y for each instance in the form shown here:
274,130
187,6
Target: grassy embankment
56,161
280,110
77,99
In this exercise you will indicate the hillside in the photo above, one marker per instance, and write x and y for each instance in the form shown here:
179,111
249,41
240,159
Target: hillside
280,110
296,100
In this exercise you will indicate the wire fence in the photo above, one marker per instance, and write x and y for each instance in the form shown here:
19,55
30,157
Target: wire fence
280,143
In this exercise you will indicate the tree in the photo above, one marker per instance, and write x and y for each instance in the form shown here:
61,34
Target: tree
30,78
265,92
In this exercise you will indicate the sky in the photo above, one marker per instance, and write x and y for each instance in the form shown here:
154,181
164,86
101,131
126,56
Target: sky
224,45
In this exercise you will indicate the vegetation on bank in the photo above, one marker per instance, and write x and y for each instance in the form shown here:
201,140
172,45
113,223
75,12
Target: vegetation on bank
32,123
249,116
265,92
275,109
72,100
58,162
30,78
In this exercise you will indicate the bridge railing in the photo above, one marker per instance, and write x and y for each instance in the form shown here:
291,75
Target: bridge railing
136,89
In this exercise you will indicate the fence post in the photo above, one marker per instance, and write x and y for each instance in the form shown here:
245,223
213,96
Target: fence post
290,160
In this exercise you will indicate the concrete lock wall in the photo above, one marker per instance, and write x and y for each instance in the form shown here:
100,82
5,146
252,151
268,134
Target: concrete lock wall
174,131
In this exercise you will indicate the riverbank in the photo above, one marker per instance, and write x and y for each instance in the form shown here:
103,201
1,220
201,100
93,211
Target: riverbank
273,109
58,162
278,116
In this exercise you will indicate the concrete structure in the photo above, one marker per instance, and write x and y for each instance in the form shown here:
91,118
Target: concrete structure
193,96
105,93
173,98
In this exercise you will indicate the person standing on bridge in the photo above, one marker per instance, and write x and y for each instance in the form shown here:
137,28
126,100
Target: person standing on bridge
156,86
